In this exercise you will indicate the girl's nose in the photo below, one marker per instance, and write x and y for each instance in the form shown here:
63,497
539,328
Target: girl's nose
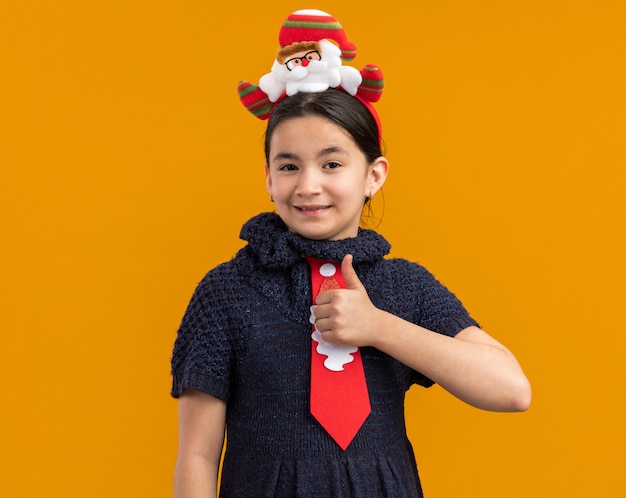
308,183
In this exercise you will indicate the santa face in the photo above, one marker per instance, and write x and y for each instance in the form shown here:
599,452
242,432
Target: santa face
309,67
310,70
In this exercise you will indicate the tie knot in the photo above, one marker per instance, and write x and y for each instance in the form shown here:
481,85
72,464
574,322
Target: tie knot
328,269
325,275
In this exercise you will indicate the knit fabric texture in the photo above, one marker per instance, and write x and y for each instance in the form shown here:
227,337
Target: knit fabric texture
245,338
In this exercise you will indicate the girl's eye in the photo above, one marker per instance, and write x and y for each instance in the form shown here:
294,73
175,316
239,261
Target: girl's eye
331,165
288,167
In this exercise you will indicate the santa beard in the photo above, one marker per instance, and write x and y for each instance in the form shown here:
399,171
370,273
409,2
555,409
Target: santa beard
316,77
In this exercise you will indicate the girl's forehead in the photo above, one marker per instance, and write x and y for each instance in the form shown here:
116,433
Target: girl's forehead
311,127
313,137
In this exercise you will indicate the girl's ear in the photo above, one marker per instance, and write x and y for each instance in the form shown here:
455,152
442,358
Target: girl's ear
378,174
268,179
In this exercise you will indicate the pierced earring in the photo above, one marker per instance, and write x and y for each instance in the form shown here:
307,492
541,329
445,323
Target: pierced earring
271,198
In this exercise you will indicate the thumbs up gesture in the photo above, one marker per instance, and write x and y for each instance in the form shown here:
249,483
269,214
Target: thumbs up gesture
346,316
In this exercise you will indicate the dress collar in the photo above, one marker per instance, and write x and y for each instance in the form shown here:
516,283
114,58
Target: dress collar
276,247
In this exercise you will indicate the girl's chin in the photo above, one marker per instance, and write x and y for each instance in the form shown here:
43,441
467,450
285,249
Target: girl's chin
313,234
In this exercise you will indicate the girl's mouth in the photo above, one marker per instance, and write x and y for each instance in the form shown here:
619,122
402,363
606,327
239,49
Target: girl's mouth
311,209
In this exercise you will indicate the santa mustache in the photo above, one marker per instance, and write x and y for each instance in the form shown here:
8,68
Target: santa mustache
301,72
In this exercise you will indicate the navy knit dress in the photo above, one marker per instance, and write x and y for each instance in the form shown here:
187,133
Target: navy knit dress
246,339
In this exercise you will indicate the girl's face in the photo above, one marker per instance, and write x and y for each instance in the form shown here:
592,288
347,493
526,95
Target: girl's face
319,178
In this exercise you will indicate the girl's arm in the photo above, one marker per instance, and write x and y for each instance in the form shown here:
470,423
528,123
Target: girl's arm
201,427
472,366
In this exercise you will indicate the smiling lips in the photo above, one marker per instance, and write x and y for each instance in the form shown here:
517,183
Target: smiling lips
311,209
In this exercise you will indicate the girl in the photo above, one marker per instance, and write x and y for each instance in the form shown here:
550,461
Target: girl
242,359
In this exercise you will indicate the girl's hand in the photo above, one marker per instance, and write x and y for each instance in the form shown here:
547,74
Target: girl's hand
347,316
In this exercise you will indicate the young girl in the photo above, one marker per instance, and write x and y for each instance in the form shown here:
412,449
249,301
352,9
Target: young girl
312,294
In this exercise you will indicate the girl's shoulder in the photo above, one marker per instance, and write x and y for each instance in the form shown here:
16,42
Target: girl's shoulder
225,277
407,282
438,308
401,268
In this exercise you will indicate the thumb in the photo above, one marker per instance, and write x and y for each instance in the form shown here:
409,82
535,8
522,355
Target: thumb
349,275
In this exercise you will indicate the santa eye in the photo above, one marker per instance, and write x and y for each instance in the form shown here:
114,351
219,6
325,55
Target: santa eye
293,63
314,55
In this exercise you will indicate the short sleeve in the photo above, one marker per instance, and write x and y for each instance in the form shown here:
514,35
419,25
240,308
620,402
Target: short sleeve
438,309
429,304
203,353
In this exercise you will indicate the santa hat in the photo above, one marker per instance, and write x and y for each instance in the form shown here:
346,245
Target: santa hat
315,25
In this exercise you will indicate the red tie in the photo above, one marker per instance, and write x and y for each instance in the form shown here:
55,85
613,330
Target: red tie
339,398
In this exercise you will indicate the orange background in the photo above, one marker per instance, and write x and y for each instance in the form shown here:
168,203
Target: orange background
128,166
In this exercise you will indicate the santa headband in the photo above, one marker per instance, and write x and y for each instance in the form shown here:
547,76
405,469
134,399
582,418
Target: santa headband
313,46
